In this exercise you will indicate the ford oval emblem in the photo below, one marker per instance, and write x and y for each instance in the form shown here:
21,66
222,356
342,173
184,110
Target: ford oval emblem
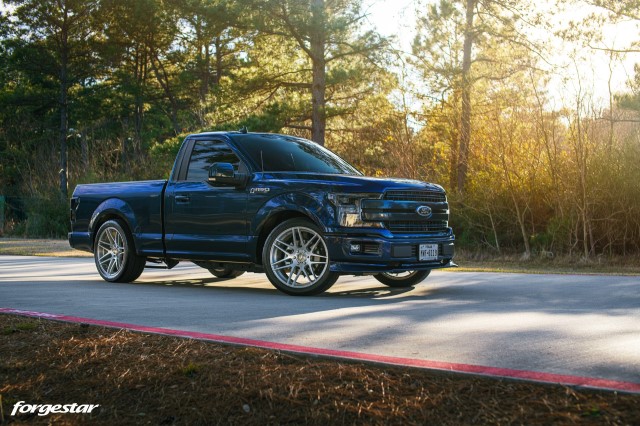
424,211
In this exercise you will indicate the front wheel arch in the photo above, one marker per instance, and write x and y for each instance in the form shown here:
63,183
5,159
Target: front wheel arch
269,225
296,259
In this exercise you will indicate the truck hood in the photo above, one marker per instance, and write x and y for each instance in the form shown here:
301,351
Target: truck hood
350,183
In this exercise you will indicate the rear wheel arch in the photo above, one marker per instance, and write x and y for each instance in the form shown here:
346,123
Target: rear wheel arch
112,209
114,252
102,219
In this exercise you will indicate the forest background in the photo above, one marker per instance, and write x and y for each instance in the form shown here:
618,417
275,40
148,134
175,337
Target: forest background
534,162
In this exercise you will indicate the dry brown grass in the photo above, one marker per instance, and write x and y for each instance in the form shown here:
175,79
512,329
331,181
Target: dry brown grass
149,379
39,247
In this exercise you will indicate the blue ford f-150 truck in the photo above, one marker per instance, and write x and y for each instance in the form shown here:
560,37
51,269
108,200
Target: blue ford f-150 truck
282,205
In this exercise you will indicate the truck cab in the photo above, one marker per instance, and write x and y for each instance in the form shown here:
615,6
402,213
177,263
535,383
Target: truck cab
260,202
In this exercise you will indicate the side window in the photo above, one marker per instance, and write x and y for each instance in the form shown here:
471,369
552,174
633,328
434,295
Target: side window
204,154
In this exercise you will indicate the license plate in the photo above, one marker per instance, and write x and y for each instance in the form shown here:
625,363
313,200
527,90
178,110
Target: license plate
428,252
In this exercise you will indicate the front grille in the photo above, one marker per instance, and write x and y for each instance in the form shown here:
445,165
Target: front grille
416,226
423,196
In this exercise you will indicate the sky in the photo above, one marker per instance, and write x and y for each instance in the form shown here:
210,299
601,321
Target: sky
397,18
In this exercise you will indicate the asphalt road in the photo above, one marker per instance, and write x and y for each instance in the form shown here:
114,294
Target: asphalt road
561,324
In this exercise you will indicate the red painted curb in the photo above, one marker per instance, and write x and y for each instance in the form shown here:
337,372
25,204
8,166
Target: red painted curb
536,376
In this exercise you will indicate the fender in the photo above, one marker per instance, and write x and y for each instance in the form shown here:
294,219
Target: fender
113,207
310,204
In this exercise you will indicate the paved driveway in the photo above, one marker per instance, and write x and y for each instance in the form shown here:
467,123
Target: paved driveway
560,324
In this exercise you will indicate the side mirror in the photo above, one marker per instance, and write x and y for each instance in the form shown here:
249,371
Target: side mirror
224,174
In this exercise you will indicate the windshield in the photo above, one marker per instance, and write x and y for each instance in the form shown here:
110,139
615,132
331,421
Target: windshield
280,153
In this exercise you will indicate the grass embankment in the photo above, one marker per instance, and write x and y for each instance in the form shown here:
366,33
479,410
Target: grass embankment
151,379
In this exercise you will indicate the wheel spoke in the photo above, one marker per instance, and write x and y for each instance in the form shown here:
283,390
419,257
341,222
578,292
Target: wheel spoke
286,246
313,273
311,240
297,276
284,259
312,249
290,275
110,267
109,233
304,271
279,268
104,256
301,243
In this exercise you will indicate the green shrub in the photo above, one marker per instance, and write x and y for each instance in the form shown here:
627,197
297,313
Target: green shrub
45,218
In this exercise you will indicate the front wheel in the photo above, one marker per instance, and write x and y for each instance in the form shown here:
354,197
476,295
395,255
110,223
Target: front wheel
402,279
296,260
115,254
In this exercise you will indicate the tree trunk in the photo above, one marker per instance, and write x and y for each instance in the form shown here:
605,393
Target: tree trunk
84,149
163,80
318,86
219,57
454,124
465,116
141,63
62,136
523,229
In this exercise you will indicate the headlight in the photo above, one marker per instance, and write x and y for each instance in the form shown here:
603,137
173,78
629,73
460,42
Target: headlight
349,211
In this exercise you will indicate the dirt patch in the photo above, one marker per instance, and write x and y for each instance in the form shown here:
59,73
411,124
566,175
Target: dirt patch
149,379
39,247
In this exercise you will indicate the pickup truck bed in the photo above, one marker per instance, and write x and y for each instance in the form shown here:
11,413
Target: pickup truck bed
140,204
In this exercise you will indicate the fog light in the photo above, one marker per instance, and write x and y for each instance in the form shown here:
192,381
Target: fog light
354,248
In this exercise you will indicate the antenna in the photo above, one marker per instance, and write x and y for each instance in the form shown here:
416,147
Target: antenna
293,161
262,161
243,129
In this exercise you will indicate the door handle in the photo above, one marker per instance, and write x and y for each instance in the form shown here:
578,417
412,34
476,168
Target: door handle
182,199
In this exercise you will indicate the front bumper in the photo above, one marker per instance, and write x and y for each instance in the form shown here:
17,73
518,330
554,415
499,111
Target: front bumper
386,252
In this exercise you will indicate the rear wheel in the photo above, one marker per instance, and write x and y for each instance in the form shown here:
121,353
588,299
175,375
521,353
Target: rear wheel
296,260
402,279
115,255
225,272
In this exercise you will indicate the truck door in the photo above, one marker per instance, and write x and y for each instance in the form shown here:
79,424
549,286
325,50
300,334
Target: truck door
203,221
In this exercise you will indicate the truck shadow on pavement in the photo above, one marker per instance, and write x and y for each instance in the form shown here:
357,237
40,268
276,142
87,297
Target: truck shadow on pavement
264,288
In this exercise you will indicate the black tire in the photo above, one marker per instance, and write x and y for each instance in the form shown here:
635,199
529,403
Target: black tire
115,254
298,269
225,272
413,278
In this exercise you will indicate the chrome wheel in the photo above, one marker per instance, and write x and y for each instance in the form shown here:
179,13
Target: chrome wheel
402,279
298,257
399,275
111,252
